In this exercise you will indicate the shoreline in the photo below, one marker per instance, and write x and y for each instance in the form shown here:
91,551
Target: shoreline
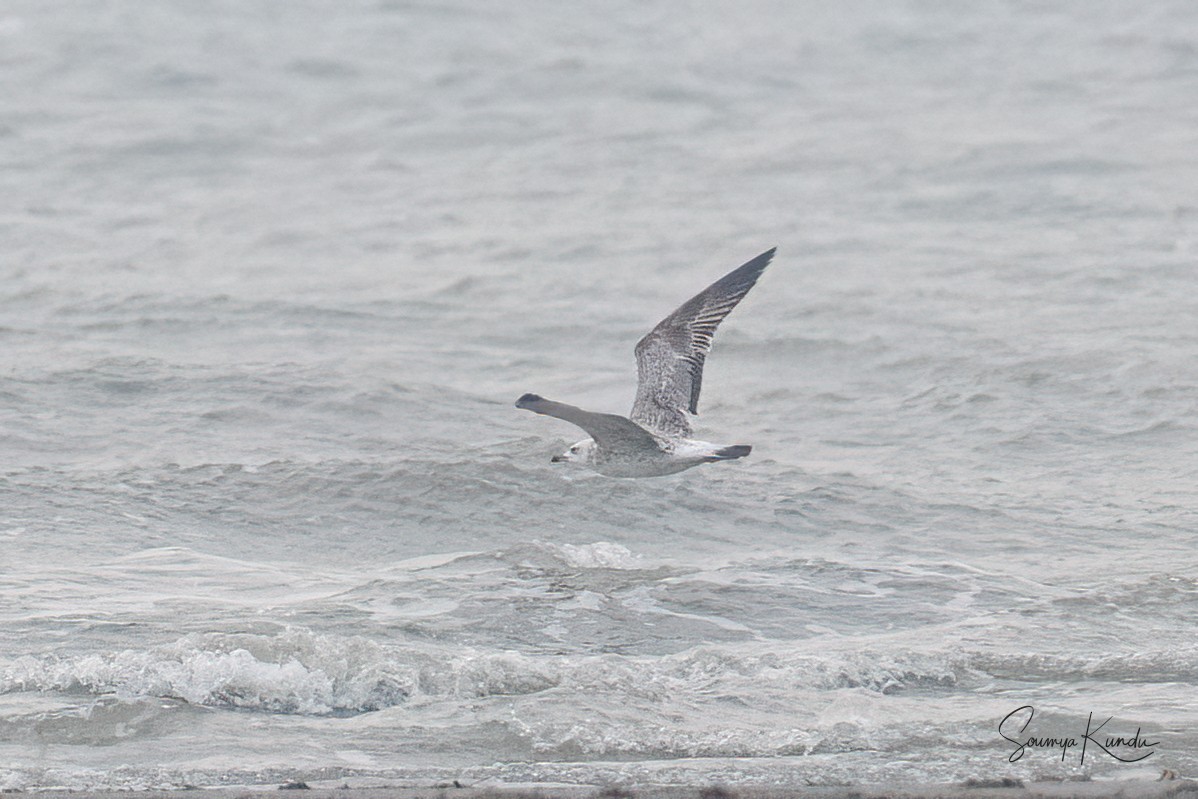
973,789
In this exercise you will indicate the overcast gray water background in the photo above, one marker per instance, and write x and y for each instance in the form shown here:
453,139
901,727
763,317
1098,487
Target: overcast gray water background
274,274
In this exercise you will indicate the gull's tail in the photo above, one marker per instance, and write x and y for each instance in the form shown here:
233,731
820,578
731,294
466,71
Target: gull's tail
731,453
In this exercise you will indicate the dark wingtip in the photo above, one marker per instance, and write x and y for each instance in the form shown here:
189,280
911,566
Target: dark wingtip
732,452
763,260
744,276
527,400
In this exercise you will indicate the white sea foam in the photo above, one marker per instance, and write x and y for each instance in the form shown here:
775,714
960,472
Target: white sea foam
309,674
295,674
599,555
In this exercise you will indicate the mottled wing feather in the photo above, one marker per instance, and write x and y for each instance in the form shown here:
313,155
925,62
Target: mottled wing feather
612,433
670,359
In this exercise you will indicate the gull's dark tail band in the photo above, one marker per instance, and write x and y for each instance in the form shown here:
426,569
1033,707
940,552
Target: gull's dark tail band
731,453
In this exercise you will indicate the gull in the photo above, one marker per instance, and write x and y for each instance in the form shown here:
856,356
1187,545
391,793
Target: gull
655,439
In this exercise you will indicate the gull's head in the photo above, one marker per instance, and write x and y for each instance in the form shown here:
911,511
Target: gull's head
578,453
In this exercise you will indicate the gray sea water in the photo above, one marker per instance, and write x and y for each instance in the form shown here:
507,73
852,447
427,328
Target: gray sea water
273,275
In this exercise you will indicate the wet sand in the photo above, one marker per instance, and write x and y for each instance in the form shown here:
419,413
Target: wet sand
997,789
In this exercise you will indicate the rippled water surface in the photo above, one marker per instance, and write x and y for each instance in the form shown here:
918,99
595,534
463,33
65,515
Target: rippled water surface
274,275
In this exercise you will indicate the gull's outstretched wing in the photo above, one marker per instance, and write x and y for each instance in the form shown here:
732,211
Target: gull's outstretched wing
669,360
611,432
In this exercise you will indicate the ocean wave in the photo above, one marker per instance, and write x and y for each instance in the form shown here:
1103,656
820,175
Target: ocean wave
1178,664
296,672
300,672
305,673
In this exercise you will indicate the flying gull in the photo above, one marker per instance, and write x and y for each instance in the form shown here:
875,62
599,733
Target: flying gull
655,439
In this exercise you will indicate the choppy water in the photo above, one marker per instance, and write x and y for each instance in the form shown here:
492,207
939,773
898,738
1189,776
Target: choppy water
274,274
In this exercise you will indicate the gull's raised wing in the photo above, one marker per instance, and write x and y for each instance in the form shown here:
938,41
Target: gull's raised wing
669,360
